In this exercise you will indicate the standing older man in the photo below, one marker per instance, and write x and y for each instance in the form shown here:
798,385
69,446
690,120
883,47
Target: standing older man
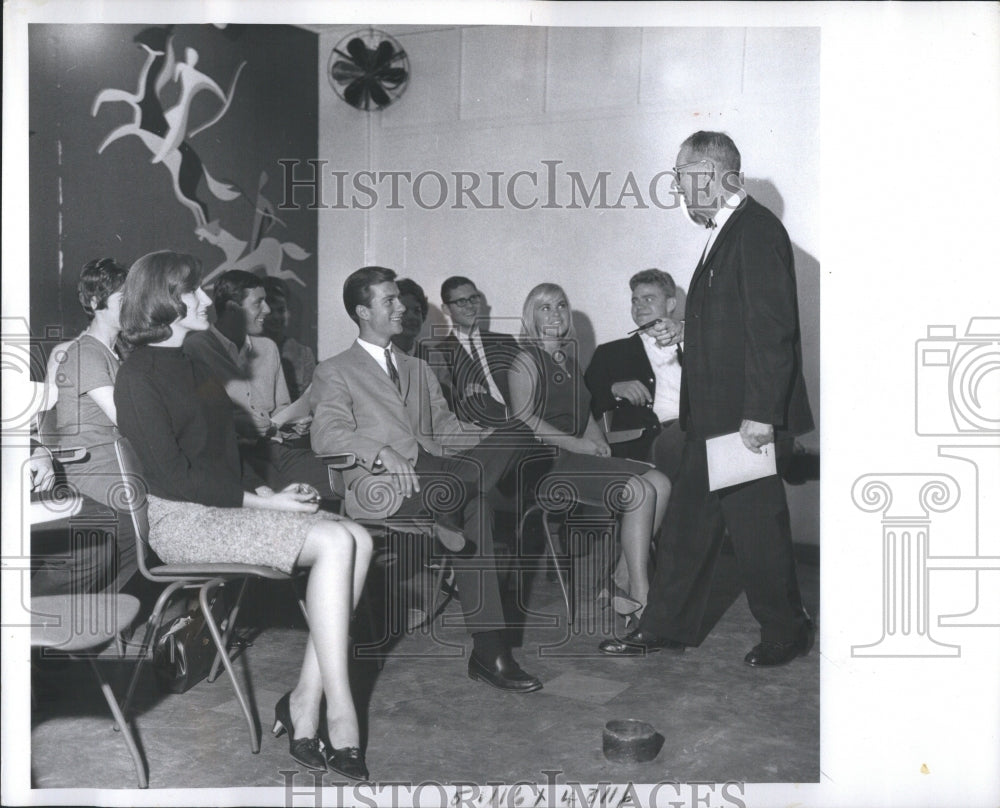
742,373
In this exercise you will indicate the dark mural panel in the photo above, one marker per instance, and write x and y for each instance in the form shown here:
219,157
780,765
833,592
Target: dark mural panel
168,137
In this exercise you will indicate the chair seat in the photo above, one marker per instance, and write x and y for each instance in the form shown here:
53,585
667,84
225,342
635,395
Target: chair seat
207,571
73,623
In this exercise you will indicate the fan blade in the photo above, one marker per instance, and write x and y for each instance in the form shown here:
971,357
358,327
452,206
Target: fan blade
359,52
345,71
383,54
379,96
391,77
356,94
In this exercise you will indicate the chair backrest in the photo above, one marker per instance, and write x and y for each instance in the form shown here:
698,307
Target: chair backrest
335,465
129,495
337,485
614,436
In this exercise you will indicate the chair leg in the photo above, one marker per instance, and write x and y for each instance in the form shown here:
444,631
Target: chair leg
300,597
366,604
566,587
122,725
440,596
213,629
152,624
213,672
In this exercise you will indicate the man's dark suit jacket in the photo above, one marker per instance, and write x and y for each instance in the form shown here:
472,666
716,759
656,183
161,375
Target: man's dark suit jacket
742,347
619,361
457,370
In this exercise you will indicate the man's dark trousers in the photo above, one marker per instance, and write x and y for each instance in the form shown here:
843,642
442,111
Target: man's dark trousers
477,471
756,516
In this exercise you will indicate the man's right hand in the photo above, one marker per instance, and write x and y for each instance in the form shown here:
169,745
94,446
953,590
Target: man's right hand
399,468
633,391
40,468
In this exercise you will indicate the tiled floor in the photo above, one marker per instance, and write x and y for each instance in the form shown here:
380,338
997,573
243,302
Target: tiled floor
426,720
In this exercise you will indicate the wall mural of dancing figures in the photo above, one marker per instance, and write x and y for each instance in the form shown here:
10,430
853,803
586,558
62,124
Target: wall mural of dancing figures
162,131
151,137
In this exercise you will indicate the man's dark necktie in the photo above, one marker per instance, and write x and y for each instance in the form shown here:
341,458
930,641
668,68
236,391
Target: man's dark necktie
391,367
484,366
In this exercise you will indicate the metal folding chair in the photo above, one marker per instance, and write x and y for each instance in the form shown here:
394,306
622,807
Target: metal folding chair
553,505
206,578
80,626
339,463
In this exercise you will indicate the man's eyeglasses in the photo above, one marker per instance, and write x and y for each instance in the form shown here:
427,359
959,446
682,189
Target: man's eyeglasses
466,302
677,169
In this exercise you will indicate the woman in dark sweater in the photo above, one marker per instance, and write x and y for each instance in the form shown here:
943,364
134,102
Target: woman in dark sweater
179,421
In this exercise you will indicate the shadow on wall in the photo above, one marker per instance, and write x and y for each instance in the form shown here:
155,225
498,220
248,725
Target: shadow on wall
585,339
807,276
803,499
436,324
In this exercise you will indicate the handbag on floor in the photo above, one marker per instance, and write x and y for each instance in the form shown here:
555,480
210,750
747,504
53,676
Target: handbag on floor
184,651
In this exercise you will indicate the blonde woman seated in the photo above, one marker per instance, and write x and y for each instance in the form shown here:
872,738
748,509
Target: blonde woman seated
548,393
179,421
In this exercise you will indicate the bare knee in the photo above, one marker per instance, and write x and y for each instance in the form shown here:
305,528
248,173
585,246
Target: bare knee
643,494
362,539
327,539
659,482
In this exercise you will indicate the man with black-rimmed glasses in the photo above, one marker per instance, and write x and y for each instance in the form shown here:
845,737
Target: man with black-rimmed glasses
472,363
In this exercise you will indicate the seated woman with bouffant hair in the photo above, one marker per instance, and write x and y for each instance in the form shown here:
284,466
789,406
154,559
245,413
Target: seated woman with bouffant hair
179,421
548,393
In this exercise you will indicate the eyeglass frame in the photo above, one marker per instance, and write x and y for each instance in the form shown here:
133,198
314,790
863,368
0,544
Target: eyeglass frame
466,302
676,169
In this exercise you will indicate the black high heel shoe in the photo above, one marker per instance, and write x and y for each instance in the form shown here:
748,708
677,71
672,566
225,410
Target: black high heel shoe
348,760
306,751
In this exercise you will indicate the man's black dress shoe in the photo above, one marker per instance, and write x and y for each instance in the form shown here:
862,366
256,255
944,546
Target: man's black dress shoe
773,654
639,643
503,673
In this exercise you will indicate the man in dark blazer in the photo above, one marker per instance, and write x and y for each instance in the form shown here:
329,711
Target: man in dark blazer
472,364
387,409
742,373
635,382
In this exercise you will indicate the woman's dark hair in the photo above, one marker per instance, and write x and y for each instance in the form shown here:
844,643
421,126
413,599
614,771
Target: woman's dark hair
276,286
99,279
411,287
151,296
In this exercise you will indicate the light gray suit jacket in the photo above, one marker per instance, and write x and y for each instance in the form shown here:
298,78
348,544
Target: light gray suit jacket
357,409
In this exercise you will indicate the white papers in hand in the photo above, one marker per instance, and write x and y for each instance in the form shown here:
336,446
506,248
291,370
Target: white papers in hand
730,462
